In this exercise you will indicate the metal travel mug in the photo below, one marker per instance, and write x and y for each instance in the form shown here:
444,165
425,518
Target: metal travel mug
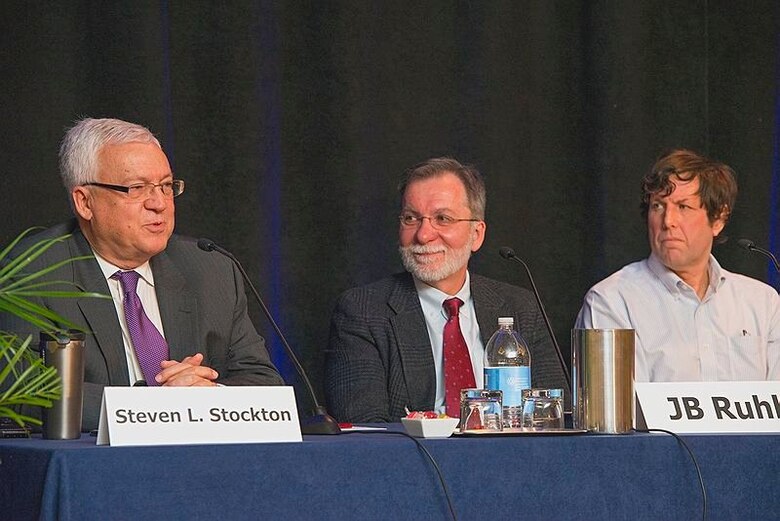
65,352
603,380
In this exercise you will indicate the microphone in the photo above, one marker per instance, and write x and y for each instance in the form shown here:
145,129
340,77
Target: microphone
749,245
320,422
509,254
140,383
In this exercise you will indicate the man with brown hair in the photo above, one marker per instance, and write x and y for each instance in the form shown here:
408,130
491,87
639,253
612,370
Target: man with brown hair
694,320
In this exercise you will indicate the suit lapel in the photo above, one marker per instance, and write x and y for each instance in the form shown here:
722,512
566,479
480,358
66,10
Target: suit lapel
176,302
177,307
414,345
99,314
488,305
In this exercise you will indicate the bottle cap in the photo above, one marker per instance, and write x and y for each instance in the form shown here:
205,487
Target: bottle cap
506,321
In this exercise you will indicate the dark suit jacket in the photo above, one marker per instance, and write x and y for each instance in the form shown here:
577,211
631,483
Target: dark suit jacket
379,358
202,305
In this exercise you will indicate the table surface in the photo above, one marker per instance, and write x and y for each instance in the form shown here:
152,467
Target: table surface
381,475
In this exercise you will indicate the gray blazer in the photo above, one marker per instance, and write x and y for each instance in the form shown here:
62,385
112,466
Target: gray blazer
202,306
379,358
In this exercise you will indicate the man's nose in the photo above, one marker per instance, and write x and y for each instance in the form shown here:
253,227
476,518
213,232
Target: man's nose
156,200
426,232
670,217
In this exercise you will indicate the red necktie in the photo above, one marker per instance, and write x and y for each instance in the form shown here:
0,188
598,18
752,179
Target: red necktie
458,373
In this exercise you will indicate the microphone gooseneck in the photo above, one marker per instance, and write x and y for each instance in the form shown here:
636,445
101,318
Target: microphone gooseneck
320,422
749,245
509,254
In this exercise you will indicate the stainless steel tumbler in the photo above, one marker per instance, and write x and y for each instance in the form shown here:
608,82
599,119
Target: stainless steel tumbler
603,380
65,353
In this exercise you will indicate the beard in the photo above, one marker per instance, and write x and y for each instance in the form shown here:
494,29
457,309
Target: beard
430,272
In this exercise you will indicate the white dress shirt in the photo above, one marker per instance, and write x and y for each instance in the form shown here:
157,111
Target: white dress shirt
733,333
148,298
436,317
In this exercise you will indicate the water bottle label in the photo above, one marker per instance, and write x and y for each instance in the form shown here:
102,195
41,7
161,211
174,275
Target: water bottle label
511,381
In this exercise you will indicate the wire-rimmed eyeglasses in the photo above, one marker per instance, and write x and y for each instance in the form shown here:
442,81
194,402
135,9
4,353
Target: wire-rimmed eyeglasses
438,221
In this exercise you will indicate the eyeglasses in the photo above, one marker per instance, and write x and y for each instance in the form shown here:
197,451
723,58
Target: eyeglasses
140,191
438,221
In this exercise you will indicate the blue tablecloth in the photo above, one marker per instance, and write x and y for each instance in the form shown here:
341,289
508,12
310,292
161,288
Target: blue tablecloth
385,476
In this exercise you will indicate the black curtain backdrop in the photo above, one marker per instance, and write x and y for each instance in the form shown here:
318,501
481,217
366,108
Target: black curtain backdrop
292,121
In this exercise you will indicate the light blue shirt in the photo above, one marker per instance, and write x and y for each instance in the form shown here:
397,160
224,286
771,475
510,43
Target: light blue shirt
732,334
431,300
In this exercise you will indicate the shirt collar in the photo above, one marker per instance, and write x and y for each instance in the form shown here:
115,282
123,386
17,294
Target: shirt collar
436,298
717,274
108,269
671,280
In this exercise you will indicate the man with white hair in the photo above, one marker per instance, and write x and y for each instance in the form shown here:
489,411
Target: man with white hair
178,315
389,345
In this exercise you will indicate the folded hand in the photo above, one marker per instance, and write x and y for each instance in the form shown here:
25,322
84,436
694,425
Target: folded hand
188,372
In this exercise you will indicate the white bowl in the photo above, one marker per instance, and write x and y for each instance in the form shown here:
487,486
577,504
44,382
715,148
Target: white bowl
430,428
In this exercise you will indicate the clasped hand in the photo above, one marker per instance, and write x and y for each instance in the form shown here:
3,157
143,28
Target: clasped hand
187,373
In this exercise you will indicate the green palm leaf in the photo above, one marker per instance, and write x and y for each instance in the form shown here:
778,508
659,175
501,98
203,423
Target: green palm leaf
24,380
32,383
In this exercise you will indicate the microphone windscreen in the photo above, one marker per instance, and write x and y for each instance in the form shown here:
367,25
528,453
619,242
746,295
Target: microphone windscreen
206,244
745,243
140,383
506,252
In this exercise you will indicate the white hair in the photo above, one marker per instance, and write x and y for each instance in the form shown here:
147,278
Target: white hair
82,144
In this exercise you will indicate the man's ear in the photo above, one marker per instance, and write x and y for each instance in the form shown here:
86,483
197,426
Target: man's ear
479,235
82,202
720,222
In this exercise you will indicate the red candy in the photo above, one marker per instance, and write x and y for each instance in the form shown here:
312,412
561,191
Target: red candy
425,415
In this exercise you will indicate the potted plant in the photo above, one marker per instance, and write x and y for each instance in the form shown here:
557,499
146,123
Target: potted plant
24,380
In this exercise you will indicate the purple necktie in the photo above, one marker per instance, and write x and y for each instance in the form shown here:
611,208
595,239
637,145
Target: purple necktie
150,346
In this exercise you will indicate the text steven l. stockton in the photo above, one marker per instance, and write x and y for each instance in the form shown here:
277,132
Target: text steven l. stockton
214,415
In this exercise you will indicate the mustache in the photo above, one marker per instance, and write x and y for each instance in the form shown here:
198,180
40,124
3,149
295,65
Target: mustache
421,248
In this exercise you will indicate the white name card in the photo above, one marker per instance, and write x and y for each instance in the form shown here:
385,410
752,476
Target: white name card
192,415
711,407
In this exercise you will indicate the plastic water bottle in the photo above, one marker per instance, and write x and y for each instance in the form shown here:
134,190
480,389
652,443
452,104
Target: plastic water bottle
508,368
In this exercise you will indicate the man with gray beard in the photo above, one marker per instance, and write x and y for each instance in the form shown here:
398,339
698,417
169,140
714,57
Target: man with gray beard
391,342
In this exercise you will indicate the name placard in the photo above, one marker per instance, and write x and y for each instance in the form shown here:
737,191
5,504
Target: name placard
711,407
191,415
